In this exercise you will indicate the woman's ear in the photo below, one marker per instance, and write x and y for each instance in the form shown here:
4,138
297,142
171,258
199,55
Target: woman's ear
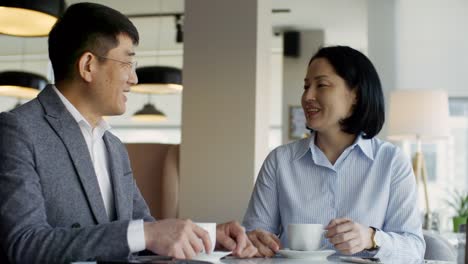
85,66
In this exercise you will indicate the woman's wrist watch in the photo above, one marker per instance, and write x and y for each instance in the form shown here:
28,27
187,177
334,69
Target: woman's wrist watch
375,242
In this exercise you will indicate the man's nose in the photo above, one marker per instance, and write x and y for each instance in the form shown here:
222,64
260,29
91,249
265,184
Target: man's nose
133,78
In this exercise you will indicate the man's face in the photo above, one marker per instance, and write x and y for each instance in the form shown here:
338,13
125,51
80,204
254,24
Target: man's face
114,77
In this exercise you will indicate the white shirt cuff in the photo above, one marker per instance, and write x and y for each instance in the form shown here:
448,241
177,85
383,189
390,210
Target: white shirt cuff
136,236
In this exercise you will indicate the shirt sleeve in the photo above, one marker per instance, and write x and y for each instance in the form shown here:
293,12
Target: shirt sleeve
263,209
402,230
136,236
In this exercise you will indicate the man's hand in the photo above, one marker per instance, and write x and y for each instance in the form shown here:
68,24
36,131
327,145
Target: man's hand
176,238
266,243
349,237
231,236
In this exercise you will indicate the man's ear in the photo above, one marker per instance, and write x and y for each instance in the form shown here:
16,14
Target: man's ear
85,66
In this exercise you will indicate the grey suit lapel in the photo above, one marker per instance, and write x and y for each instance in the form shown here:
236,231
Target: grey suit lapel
116,173
69,132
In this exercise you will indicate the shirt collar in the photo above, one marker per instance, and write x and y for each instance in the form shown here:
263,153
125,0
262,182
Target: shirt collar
306,144
79,118
365,145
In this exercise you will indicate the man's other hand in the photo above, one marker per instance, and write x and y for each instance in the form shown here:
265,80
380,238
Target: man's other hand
232,236
176,238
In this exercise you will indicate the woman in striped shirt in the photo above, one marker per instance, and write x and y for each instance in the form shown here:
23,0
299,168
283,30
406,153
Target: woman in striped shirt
362,189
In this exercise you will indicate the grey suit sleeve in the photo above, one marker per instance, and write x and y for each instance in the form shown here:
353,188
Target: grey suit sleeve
26,236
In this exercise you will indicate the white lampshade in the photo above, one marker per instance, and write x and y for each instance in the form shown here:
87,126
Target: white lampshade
419,114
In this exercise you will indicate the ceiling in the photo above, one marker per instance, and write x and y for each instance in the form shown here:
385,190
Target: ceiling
304,14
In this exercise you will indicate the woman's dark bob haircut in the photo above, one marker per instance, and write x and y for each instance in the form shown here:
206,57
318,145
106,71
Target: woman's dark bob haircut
360,75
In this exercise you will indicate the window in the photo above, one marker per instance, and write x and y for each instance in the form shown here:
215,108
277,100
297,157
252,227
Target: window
446,162
458,146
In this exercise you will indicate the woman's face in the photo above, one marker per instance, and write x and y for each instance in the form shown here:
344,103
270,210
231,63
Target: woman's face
326,99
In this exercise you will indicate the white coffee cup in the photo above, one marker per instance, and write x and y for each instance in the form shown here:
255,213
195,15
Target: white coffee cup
211,229
305,237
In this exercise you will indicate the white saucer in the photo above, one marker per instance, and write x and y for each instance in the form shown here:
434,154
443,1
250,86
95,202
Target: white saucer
215,256
297,254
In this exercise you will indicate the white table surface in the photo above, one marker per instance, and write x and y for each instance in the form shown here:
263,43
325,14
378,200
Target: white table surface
280,260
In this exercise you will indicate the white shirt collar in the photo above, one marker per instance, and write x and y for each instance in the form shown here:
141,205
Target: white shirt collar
79,118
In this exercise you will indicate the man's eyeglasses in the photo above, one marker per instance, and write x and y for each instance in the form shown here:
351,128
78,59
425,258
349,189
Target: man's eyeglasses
133,65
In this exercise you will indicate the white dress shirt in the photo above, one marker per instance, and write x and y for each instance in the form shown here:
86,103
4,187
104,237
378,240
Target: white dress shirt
97,150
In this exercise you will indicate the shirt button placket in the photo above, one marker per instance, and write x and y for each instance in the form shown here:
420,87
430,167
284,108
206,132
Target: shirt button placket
333,180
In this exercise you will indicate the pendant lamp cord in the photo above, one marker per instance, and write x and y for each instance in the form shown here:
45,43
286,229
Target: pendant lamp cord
23,50
159,21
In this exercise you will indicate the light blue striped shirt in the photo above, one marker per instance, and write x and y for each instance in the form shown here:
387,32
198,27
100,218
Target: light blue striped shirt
372,183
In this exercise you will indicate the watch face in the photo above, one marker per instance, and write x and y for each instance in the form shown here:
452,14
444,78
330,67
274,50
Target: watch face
377,238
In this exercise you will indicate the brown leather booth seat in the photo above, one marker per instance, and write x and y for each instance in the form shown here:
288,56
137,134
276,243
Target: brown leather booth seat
156,171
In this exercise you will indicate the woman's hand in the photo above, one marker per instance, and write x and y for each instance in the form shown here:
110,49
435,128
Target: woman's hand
349,237
266,243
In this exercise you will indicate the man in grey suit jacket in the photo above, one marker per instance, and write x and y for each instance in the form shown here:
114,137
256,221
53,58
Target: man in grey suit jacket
67,191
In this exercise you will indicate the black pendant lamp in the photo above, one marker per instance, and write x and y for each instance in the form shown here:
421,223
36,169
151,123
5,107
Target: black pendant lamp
29,18
20,84
149,113
158,80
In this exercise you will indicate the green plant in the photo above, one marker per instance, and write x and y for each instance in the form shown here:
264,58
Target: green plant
459,202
